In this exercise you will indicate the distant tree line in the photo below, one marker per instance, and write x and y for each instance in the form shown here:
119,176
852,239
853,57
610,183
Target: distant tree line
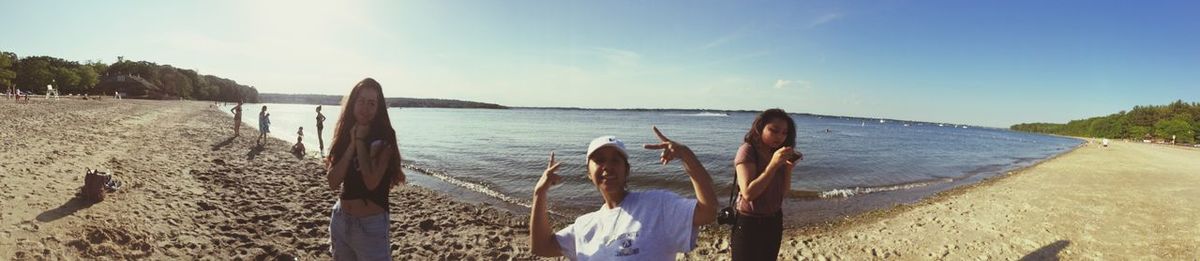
135,78
391,102
1159,122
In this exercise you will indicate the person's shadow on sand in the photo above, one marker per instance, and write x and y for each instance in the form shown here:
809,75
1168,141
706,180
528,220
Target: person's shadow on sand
70,207
218,146
254,151
1048,252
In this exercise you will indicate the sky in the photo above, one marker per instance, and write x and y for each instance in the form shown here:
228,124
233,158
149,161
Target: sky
987,63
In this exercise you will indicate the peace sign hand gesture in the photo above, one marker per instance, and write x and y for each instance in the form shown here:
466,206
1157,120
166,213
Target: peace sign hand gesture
706,200
548,177
671,149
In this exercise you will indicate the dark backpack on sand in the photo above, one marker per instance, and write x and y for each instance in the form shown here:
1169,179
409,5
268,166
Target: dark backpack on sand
95,184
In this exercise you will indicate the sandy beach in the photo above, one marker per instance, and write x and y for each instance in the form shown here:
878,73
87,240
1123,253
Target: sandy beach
1128,201
193,192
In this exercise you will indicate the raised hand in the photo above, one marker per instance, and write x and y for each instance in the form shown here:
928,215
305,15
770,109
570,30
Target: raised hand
671,149
706,200
787,156
549,178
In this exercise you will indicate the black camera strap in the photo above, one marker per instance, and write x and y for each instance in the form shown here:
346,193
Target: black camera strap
736,187
733,193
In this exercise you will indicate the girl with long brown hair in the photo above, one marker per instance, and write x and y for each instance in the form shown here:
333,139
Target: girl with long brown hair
364,165
763,166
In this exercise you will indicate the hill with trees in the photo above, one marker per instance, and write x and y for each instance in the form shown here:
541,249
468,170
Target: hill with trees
1154,122
139,79
391,102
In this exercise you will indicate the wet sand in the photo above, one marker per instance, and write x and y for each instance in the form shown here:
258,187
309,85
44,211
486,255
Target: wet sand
192,192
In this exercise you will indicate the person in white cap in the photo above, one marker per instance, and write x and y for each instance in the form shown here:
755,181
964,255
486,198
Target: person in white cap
632,225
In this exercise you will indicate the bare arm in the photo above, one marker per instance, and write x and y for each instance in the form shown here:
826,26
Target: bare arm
337,172
751,189
541,239
706,199
787,182
378,161
399,168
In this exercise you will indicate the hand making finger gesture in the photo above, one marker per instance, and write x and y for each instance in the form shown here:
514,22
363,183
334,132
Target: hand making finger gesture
549,178
671,149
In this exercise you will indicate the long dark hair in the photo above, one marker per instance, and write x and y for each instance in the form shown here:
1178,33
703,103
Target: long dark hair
754,136
381,126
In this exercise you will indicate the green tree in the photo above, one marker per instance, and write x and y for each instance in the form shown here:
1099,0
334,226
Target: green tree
1107,127
1177,127
88,77
99,67
8,76
1142,116
65,80
1137,132
33,74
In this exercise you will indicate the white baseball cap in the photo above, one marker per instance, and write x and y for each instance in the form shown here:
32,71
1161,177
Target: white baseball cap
606,141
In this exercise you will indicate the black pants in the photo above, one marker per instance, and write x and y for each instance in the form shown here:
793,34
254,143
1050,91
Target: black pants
756,238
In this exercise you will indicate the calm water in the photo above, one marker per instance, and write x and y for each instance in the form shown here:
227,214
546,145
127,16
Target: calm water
850,165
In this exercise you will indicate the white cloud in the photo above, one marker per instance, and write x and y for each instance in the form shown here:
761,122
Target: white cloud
820,20
802,84
619,57
721,41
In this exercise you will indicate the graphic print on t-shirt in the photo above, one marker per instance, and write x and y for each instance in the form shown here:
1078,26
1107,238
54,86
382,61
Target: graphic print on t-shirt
626,244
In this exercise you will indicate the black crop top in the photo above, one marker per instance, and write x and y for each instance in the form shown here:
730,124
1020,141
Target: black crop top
353,186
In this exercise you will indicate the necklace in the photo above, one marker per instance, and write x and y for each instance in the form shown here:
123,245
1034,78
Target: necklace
608,237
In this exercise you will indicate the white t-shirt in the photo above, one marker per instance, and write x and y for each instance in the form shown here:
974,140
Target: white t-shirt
648,225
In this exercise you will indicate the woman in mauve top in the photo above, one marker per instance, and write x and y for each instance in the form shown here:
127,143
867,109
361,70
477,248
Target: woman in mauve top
764,166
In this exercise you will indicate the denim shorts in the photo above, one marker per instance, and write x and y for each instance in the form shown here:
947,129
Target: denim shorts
359,238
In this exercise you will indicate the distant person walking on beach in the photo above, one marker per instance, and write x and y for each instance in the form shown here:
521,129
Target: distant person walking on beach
641,225
237,119
763,168
264,124
364,164
320,128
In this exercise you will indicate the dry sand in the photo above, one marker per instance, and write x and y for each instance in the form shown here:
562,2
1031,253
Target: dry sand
191,192
1129,201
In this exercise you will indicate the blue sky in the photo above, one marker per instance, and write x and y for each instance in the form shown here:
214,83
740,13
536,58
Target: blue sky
991,63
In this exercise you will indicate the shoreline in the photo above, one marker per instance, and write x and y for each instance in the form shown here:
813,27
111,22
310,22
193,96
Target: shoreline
834,205
1125,201
939,197
888,201
193,192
